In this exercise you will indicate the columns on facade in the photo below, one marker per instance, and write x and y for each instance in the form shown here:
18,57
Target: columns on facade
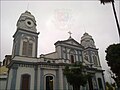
35,77
78,55
41,79
61,52
7,79
60,78
103,79
14,74
66,57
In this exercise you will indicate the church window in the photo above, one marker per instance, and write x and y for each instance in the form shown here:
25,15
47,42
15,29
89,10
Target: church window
24,51
27,48
72,58
30,45
95,60
25,82
86,57
100,83
49,82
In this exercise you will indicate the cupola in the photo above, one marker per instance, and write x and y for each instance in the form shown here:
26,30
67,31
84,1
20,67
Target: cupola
87,41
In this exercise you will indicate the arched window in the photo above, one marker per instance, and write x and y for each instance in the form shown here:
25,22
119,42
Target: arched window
25,82
24,49
27,48
28,45
100,83
49,82
72,56
95,61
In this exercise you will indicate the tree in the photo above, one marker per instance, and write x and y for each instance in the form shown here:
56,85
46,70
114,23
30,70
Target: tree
113,6
108,86
113,60
76,76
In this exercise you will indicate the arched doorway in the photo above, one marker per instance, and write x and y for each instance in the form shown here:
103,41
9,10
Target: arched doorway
100,83
25,82
90,83
49,82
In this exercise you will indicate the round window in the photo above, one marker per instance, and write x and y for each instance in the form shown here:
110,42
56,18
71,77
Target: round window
29,23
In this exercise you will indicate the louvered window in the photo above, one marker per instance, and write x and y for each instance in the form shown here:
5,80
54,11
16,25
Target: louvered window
95,60
27,48
30,45
24,50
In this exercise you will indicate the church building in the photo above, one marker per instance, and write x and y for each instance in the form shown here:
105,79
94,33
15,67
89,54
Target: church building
26,71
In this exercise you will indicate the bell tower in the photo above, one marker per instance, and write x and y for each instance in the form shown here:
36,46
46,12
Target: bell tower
90,50
26,36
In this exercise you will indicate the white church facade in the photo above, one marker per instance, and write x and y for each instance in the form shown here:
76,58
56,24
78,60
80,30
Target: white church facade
29,72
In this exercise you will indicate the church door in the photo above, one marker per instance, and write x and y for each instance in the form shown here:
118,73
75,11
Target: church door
49,83
100,83
25,82
90,84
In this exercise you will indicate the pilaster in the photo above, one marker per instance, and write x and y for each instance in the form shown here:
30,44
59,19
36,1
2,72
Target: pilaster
60,78
14,74
35,77
41,80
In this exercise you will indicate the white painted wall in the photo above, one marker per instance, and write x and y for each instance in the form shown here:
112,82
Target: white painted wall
58,49
25,70
3,84
27,59
38,79
9,79
52,55
3,80
99,75
49,72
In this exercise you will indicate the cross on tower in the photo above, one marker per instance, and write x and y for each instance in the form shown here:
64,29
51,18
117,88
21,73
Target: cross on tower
70,34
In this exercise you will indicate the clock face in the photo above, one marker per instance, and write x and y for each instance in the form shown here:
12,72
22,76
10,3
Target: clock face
29,22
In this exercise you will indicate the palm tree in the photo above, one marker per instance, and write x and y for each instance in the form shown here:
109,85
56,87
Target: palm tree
113,6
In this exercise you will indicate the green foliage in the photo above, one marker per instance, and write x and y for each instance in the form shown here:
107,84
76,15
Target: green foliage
75,75
106,1
108,86
113,59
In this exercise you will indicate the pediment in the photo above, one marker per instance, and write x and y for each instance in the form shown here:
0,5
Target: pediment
71,42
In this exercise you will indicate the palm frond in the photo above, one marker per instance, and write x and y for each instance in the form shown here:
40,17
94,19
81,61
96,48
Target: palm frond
106,1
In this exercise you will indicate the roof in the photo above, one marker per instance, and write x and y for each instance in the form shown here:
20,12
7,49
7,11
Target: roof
69,41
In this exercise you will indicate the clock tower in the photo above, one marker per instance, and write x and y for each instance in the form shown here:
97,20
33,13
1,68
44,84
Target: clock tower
90,51
26,36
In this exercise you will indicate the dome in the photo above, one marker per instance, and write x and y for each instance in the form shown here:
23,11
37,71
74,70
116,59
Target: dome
86,36
27,14
87,40
27,22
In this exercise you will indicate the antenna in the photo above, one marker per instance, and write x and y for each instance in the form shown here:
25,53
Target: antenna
27,5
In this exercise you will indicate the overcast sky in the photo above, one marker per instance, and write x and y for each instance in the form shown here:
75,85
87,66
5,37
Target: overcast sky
56,18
